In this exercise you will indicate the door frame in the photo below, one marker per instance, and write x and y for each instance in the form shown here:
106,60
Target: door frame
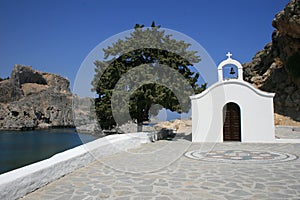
225,107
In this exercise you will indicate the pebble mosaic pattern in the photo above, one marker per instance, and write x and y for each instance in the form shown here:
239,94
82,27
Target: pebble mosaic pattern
241,156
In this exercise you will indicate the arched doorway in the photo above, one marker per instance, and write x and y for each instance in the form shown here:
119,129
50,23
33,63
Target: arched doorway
232,122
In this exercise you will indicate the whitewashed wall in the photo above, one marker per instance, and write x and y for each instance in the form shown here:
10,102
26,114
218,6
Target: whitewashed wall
257,119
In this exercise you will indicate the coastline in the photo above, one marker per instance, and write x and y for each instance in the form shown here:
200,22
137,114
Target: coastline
64,163
21,148
34,128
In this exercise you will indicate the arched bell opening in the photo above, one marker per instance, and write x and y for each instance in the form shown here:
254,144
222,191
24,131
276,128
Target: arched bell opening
230,72
230,69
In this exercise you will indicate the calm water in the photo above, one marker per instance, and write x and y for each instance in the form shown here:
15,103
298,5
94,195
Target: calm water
18,148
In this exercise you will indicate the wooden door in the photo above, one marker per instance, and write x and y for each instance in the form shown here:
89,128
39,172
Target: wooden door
232,122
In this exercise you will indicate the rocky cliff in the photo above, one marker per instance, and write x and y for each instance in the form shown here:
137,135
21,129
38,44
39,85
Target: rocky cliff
32,99
276,68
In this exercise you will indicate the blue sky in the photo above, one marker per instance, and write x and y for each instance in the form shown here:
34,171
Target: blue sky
56,35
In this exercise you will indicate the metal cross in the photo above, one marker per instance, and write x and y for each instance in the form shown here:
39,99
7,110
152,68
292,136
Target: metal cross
229,55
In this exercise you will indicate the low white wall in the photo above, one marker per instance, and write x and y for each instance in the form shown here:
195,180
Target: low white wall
19,182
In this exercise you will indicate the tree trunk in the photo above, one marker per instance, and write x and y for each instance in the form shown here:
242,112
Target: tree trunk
139,126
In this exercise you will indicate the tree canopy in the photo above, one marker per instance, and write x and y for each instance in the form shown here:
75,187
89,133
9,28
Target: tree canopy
145,69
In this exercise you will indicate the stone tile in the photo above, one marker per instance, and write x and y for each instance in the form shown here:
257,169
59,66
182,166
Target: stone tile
163,198
144,188
259,186
240,193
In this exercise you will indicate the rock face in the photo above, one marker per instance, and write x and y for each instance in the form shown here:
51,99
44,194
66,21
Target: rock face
84,116
178,126
276,68
32,99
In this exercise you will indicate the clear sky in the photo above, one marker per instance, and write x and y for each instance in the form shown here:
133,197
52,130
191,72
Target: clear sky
56,35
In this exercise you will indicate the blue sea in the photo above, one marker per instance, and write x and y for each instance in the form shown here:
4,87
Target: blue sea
20,148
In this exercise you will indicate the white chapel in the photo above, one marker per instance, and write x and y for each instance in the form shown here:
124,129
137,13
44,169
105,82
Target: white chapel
232,109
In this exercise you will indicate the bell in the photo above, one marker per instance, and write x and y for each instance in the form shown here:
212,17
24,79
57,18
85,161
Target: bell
232,71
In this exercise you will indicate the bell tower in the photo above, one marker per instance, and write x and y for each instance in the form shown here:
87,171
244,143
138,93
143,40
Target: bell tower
230,61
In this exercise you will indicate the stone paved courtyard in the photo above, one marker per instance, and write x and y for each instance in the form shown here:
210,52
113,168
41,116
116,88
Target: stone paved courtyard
160,170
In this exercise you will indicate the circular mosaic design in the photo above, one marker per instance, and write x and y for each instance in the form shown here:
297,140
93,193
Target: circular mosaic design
241,156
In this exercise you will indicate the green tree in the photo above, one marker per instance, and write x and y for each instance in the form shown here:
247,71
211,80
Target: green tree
145,49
